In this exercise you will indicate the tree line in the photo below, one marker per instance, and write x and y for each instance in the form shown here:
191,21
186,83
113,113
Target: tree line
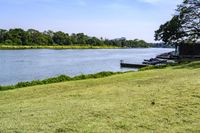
33,37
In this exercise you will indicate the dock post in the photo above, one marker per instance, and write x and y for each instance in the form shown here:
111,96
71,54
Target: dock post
121,62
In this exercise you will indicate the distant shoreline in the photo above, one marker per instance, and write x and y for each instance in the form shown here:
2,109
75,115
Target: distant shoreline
7,47
18,47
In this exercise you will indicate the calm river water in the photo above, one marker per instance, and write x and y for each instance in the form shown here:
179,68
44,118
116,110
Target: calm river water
27,65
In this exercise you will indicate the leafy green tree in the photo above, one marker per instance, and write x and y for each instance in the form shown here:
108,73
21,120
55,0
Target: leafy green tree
33,37
81,38
50,33
2,35
61,38
91,41
74,39
17,36
184,26
170,32
189,15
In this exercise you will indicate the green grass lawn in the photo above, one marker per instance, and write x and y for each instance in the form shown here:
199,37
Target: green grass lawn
160,100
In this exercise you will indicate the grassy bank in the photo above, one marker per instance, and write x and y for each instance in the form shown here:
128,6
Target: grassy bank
57,47
160,100
61,78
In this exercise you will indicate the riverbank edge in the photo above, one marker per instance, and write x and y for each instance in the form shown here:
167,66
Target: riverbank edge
7,47
58,79
65,78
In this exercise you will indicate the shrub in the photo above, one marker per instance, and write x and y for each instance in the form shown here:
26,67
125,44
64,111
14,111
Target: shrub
3,88
60,78
153,67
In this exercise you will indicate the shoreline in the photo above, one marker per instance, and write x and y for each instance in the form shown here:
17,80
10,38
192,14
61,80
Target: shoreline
58,79
15,47
66,78
57,47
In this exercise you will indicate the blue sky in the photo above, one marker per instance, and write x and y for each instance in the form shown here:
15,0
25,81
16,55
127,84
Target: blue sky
102,18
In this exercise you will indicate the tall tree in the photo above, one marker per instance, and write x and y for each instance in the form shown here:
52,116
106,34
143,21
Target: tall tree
184,26
189,14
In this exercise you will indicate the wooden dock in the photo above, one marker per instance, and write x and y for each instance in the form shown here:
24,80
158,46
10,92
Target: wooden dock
128,65
132,65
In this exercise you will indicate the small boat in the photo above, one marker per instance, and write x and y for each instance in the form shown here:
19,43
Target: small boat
154,61
170,55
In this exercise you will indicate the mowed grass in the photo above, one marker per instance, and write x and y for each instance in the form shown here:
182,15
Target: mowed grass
161,100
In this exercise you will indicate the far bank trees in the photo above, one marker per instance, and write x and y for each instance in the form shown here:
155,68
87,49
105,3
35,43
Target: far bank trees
31,37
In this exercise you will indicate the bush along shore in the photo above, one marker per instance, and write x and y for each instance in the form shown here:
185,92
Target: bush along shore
61,78
178,63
